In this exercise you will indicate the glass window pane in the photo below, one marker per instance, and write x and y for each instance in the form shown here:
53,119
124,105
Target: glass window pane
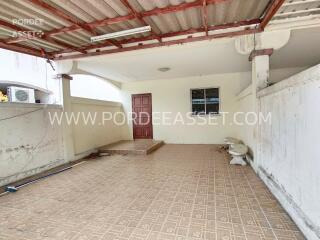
198,96
198,101
198,108
212,109
212,96
212,100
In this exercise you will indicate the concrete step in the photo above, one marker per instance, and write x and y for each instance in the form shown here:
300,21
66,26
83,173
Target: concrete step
135,147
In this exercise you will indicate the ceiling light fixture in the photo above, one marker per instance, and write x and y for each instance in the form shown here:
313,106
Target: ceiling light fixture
121,33
164,69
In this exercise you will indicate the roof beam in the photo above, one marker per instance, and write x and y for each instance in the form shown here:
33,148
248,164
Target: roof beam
94,24
179,7
153,12
68,18
21,49
175,34
198,30
60,43
261,52
139,17
108,21
169,43
61,14
43,37
270,12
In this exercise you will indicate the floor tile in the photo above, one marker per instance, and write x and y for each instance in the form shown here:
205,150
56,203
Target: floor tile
179,192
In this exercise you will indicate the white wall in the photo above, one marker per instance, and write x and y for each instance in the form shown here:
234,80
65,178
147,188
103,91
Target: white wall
289,153
25,68
173,95
29,70
245,132
286,153
245,103
29,144
86,86
87,137
277,75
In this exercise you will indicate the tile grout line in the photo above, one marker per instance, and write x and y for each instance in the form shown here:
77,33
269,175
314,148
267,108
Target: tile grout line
260,206
242,225
193,209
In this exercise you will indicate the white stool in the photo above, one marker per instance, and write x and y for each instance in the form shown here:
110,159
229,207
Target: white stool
238,151
230,141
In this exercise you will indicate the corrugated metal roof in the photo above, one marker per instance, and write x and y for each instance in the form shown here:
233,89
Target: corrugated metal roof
92,11
298,8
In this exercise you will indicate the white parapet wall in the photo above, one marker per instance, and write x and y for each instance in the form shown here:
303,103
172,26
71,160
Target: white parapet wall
29,144
245,132
95,128
288,152
33,139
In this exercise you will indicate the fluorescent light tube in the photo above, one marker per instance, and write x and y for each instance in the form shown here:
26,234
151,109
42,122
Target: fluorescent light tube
121,33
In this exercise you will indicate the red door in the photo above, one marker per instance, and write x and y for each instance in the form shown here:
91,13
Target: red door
142,116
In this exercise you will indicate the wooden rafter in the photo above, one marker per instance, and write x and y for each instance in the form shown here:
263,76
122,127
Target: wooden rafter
42,37
139,17
68,18
270,12
160,44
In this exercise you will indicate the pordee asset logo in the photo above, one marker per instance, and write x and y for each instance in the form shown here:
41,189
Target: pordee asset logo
159,118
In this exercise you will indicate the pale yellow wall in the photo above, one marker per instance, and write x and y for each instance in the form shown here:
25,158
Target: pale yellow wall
173,95
91,136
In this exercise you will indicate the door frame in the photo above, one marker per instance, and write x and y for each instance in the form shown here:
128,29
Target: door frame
132,102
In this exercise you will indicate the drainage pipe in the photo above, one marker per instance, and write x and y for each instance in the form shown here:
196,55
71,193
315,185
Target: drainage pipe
16,188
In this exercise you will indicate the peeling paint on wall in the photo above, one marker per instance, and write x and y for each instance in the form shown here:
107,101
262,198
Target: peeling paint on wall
288,153
29,144
273,184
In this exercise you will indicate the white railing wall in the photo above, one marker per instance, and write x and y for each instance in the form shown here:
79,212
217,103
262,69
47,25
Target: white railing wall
287,152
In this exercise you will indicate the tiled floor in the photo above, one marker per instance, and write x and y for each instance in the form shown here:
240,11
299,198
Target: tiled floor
140,146
177,192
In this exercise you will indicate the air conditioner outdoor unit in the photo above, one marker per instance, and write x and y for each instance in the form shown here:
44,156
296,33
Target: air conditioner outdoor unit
19,94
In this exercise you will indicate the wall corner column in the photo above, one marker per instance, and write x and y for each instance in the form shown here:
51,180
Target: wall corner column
260,68
68,140
260,79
